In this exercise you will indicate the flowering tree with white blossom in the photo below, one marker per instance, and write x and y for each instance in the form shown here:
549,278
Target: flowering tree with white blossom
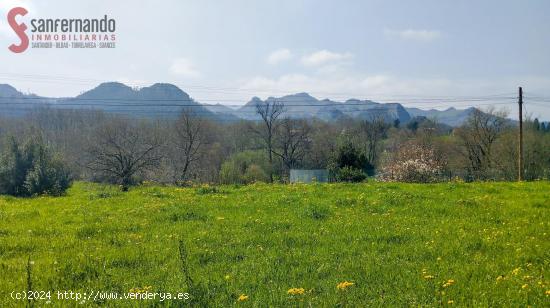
413,163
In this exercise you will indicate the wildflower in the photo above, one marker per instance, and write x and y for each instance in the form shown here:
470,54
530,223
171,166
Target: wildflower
547,292
427,277
501,277
525,286
295,291
516,271
242,298
449,283
438,258
227,277
450,302
343,285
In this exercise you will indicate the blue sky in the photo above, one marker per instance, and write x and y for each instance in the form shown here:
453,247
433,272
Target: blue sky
228,51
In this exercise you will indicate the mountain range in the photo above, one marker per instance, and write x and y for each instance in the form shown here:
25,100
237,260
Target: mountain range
163,100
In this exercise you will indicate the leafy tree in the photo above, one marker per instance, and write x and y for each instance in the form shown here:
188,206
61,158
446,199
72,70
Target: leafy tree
349,164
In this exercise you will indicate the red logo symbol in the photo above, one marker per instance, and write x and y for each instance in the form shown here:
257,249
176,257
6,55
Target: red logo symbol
19,29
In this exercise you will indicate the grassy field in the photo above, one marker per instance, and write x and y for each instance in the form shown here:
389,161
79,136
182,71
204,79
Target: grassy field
398,244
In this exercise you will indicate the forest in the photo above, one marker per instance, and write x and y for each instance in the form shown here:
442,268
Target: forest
100,147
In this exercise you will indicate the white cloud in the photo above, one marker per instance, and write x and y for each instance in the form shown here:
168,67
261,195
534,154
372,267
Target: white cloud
279,56
323,57
184,67
414,35
6,5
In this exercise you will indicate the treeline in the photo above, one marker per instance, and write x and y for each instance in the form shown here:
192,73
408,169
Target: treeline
95,146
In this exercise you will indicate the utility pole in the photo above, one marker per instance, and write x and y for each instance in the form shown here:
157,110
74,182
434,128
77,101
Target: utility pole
520,156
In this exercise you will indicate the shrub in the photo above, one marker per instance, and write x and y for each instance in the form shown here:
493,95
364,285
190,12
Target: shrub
255,173
245,167
350,174
32,170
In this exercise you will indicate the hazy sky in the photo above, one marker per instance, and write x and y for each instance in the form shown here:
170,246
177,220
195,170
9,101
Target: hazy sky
229,51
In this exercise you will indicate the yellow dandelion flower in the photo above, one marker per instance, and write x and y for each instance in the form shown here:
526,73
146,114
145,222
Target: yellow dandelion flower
428,277
343,285
525,286
227,277
450,302
449,283
547,292
242,298
501,277
295,291
516,271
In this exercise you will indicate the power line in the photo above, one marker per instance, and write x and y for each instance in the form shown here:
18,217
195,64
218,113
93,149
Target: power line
287,100
211,89
197,105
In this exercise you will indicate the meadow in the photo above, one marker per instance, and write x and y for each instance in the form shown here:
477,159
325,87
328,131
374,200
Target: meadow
318,245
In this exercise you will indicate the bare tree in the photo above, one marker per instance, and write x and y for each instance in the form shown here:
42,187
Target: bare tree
189,141
374,130
478,135
269,112
120,150
292,141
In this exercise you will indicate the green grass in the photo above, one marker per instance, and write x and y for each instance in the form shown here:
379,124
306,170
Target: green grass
261,240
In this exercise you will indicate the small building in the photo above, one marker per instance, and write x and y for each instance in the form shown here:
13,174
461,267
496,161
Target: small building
309,176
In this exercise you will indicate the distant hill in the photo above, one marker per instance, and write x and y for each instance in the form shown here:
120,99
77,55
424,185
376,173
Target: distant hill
160,100
303,105
163,100
300,105
14,103
223,112
451,116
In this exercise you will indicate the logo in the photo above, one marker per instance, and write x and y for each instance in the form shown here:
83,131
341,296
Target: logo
19,29
49,33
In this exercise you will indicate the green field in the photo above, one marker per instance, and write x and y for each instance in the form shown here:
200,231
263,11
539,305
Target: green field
399,244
